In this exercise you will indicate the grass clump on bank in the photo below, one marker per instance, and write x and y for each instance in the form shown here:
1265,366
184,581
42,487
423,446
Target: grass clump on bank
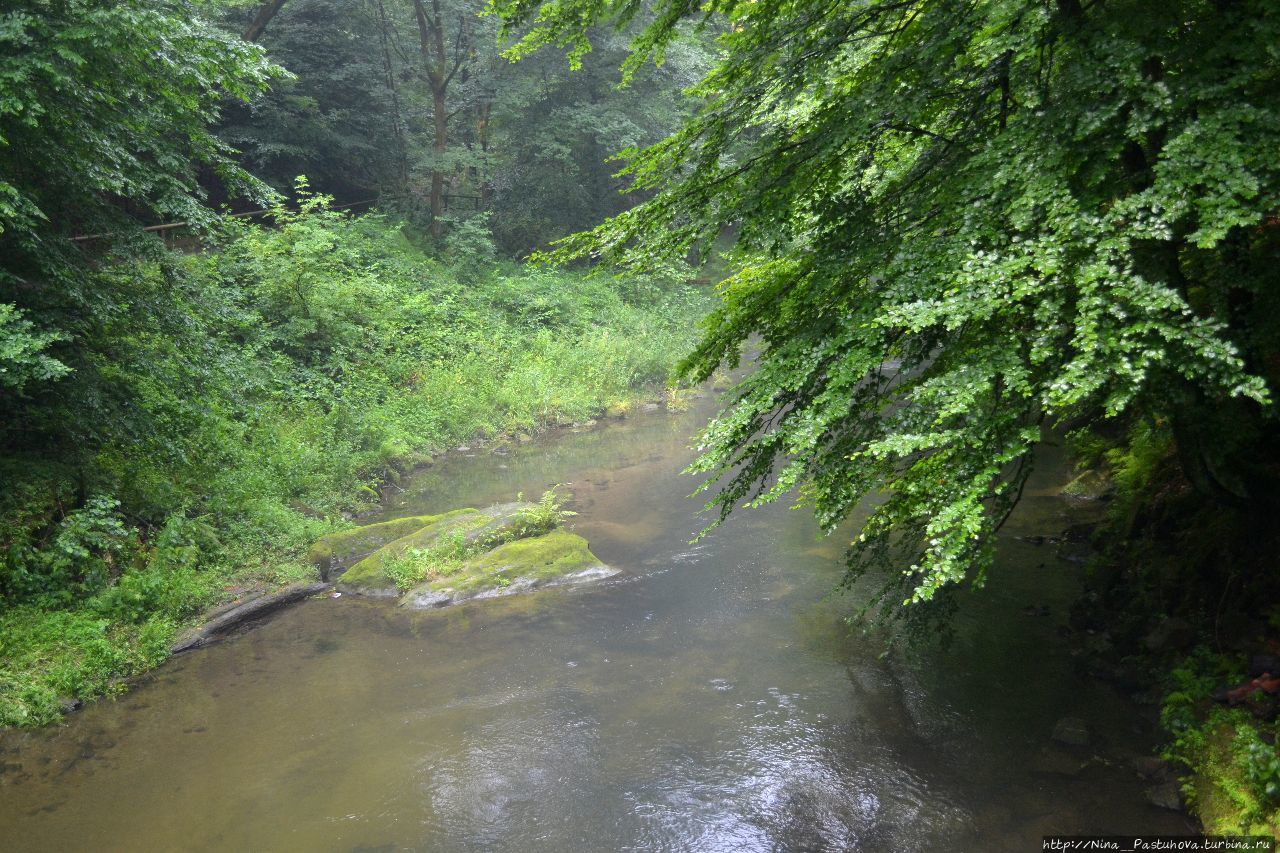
247,396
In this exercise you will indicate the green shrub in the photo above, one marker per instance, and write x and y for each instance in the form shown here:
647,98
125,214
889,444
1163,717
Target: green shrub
244,397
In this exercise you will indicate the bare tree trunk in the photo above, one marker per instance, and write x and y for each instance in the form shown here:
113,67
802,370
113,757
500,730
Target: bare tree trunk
483,112
440,108
397,118
440,70
266,12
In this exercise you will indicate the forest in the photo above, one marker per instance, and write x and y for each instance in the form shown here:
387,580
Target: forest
260,261
188,408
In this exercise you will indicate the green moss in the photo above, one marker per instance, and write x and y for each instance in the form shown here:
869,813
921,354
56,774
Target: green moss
369,576
1232,781
620,409
1221,793
543,557
533,561
362,541
450,539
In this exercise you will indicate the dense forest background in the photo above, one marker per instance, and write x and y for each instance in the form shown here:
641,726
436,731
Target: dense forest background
207,360
410,105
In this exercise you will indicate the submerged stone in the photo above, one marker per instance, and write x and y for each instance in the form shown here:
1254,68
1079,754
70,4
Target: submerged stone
1072,731
555,558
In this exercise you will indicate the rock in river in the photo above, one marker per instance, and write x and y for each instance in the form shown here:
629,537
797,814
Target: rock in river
1071,731
368,577
499,550
334,552
553,559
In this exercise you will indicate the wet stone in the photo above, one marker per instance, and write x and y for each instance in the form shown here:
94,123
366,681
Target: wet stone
1166,795
1071,731
1057,762
1153,769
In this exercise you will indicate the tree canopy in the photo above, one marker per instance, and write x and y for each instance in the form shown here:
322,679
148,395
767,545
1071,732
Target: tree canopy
105,114
411,104
956,222
107,101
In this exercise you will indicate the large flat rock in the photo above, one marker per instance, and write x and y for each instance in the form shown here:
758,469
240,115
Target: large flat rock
555,558
333,553
368,576
232,617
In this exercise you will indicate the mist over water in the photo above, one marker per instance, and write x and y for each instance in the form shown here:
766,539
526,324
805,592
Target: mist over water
708,698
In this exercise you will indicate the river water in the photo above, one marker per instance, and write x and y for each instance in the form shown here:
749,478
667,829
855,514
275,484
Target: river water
708,698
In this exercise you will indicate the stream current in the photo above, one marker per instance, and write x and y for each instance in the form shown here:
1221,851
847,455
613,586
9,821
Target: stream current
708,698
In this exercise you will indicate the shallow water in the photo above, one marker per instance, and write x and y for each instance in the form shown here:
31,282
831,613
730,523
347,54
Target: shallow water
708,698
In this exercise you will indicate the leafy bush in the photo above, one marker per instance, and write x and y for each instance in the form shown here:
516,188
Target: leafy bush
543,517
76,560
259,390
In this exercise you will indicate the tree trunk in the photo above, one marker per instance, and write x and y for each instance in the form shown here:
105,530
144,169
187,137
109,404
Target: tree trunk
440,108
266,12
397,117
436,63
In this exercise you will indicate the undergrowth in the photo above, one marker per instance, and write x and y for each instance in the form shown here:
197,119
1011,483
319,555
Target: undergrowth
249,396
1173,558
1228,754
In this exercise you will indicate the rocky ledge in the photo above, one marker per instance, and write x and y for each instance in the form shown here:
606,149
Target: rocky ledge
429,561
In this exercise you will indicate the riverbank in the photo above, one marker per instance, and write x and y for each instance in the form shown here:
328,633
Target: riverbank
709,691
306,369
1179,612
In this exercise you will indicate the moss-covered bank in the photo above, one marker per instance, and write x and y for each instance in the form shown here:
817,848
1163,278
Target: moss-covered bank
1180,610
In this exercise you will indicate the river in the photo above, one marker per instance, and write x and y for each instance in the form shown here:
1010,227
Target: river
708,698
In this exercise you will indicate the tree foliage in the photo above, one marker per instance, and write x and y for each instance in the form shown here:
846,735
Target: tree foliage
101,101
105,113
523,149
956,222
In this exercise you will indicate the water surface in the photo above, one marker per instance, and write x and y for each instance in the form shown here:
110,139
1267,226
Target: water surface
708,698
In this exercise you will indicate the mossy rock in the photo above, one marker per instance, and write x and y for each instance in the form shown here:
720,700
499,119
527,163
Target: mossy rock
347,546
554,558
1089,486
368,577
